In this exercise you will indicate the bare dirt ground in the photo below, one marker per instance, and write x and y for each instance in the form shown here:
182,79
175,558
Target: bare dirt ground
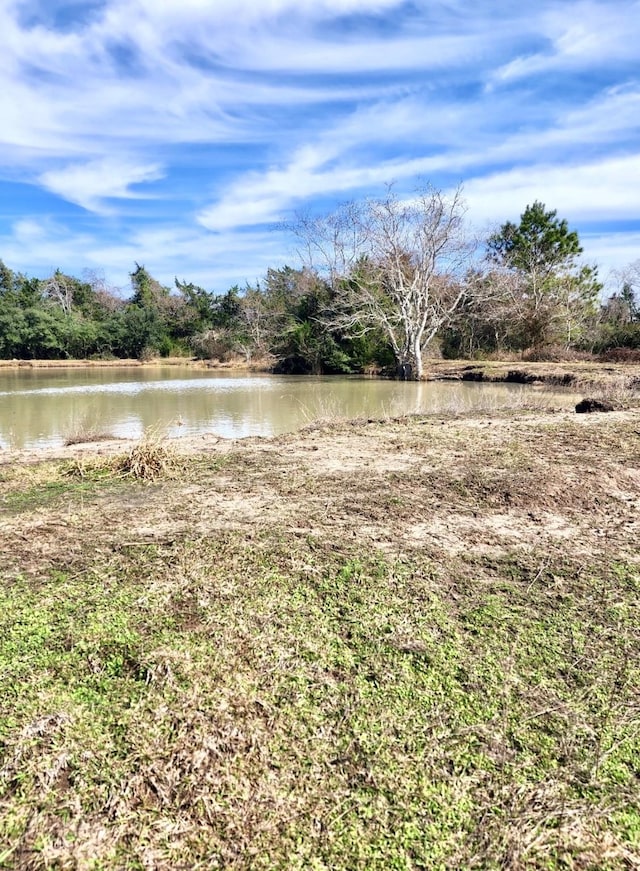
452,485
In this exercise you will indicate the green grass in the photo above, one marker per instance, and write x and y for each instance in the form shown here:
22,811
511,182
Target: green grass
291,703
48,485
50,493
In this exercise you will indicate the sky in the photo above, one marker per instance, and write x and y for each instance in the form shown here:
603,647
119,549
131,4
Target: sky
183,134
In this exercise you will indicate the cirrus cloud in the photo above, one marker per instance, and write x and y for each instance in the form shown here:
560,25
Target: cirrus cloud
127,124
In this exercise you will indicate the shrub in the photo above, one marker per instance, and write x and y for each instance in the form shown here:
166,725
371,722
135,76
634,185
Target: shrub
555,354
620,355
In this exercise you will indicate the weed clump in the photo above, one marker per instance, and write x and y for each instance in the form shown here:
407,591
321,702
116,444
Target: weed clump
84,437
146,461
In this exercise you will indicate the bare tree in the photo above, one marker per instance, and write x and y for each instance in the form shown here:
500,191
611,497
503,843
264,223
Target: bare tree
108,297
623,306
393,265
60,288
631,281
257,321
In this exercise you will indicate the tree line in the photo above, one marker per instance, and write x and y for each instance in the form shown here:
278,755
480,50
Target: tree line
380,282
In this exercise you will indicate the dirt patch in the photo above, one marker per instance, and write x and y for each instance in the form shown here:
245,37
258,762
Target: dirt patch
608,379
459,484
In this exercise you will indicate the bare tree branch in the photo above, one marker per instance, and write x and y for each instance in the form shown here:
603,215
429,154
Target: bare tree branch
393,265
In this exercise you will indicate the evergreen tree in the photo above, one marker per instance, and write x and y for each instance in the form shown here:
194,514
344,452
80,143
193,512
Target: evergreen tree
551,296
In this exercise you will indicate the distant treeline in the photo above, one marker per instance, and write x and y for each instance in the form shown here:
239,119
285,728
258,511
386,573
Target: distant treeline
278,321
527,295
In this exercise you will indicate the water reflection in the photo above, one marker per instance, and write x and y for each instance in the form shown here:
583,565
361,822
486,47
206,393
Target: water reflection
40,408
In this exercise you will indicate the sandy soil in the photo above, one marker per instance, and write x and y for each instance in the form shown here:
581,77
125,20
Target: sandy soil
541,481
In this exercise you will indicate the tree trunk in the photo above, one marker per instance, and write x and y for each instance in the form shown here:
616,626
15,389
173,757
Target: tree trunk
410,367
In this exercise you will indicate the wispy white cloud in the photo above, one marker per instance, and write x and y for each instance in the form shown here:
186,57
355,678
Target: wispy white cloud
231,115
602,190
449,132
580,35
92,184
612,252
188,253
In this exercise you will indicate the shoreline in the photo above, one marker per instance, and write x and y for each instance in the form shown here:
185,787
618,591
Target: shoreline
124,363
575,374
207,445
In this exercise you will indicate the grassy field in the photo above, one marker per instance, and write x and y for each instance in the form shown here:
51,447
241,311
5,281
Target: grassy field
400,644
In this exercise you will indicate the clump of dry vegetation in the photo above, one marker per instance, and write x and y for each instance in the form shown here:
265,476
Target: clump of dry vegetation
90,436
409,643
148,460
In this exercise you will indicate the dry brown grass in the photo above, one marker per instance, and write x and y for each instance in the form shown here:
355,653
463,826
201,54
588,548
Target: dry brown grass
578,374
148,460
89,436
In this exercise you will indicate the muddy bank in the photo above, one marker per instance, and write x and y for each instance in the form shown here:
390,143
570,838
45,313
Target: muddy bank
191,362
625,376
577,375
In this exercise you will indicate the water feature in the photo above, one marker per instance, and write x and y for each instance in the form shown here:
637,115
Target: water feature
44,407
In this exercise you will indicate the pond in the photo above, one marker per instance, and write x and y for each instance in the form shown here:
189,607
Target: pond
45,407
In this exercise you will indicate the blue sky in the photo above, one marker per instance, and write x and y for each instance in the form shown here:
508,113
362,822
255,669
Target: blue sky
181,133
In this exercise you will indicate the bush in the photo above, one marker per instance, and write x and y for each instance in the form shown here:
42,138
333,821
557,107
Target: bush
620,355
214,345
556,354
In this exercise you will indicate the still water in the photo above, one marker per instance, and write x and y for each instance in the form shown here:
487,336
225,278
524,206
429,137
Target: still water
42,408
